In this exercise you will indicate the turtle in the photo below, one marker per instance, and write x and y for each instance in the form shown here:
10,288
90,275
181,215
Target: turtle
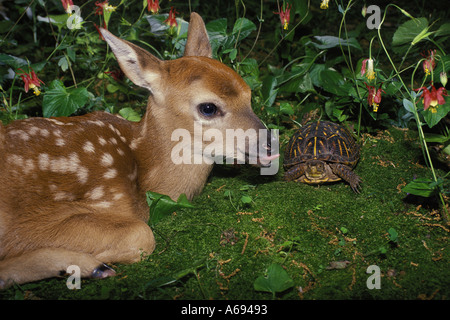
322,151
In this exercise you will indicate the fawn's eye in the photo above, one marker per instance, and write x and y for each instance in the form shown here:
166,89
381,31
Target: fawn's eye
208,109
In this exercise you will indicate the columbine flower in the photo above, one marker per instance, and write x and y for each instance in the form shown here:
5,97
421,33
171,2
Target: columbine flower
285,16
153,6
429,63
31,81
117,74
67,5
433,98
374,97
171,21
370,73
324,4
102,7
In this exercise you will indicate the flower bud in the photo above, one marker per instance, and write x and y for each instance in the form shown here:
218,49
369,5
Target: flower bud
443,78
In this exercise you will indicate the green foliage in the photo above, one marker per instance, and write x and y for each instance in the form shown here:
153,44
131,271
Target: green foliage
276,280
61,102
162,205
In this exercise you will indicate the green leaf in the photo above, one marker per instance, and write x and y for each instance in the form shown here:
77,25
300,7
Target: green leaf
408,105
423,188
130,114
162,205
434,137
433,118
269,91
286,108
217,27
243,27
63,63
61,102
12,61
411,32
393,235
246,199
333,82
276,280
444,30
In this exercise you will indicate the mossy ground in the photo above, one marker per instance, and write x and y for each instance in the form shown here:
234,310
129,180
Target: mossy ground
217,250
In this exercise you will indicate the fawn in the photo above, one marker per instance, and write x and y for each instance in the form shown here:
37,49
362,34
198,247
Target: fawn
73,188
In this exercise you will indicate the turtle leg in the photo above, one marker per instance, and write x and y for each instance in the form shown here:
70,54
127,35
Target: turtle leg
346,173
294,173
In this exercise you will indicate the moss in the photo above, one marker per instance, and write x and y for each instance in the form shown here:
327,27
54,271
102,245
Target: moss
219,249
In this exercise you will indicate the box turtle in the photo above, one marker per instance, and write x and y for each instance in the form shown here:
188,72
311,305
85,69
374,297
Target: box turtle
322,151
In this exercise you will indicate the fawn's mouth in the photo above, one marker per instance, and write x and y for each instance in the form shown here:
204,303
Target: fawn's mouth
266,160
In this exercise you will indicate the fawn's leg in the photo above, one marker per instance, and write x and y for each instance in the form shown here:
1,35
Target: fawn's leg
84,239
47,263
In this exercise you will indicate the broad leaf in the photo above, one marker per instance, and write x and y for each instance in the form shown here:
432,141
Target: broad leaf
410,31
60,102
130,114
423,188
243,27
162,205
276,280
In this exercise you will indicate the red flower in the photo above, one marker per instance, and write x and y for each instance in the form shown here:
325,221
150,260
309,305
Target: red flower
429,64
285,16
67,5
370,73
98,30
31,81
374,97
433,98
171,21
153,6
117,75
101,6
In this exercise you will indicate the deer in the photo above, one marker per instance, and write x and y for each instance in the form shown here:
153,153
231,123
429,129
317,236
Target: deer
73,188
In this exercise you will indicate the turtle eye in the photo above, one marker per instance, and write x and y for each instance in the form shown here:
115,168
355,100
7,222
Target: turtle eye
208,109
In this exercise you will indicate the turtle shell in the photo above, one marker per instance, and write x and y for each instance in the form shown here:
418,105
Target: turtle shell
322,140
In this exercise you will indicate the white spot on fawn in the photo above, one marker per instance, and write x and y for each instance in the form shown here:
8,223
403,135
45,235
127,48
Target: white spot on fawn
28,166
102,204
64,196
110,174
107,160
102,141
95,194
43,161
21,134
88,147
60,142
120,151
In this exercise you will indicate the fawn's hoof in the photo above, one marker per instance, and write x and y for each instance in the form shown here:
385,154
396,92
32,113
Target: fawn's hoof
103,271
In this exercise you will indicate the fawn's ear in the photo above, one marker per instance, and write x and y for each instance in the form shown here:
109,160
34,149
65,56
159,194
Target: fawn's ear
197,42
139,66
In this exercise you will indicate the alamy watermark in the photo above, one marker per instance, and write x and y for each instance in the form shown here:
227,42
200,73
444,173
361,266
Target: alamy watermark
373,281
74,21
74,280
374,18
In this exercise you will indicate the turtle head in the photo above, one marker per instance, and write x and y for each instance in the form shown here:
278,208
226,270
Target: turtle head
315,170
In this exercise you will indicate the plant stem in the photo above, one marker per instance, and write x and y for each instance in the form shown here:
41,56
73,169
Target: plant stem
419,124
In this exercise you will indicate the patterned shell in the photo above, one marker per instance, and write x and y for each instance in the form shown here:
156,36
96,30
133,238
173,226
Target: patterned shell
322,140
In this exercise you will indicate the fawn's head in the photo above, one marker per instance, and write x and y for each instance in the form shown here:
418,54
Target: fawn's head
193,90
